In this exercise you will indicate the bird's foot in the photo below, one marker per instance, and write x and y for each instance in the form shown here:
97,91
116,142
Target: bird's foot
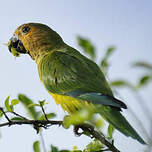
76,131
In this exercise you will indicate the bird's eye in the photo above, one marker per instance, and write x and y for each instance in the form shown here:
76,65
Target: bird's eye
25,29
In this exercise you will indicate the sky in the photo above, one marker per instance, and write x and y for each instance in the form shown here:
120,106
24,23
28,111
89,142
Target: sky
124,24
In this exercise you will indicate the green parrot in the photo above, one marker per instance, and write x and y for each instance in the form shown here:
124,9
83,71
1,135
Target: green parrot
73,80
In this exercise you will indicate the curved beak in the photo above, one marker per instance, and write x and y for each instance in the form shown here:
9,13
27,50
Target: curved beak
15,43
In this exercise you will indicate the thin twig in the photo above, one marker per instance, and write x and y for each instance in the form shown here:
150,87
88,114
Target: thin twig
19,115
44,112
1,109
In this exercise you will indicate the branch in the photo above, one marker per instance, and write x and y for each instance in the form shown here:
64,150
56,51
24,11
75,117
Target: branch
96,134
47,123
37,124
40,123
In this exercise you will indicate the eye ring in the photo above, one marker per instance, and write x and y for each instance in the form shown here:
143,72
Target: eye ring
25,29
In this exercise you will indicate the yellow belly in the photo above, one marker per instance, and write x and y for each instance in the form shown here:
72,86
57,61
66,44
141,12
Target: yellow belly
70,104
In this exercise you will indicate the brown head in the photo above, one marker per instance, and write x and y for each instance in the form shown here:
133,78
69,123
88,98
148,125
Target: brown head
34,39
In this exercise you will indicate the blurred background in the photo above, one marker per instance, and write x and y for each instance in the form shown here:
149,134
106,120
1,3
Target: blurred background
123,24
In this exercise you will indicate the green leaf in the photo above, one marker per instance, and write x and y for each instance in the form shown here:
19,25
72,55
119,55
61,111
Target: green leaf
94,146
144,80
33,105
75,149
104,64
14,52
14,102
121,83
36,146
26,102
1,114
78,117
17,118
109,52
42,102
8,107
110,131
99,123
87,47
142,64
54,149
49,116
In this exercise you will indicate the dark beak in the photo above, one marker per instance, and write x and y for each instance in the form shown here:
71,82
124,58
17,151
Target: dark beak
17,45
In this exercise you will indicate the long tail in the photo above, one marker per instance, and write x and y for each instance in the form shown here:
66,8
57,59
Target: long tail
119,122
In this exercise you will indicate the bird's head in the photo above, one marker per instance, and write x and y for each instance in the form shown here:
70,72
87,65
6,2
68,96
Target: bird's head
34,39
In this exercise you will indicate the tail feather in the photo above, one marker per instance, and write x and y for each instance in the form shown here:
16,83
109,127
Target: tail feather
119,122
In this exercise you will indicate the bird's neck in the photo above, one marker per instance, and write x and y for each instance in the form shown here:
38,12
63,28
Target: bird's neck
43,51
38,49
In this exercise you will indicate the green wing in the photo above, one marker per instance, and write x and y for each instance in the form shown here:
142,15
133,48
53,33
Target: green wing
67,70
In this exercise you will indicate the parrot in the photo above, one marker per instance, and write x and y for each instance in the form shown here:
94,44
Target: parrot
73,80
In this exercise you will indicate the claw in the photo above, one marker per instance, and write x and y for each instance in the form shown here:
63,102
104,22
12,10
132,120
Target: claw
76,129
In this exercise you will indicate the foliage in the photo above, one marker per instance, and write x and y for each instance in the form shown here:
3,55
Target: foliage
110,131
87,47
36,146
31,111
105,61
142,64
95,145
